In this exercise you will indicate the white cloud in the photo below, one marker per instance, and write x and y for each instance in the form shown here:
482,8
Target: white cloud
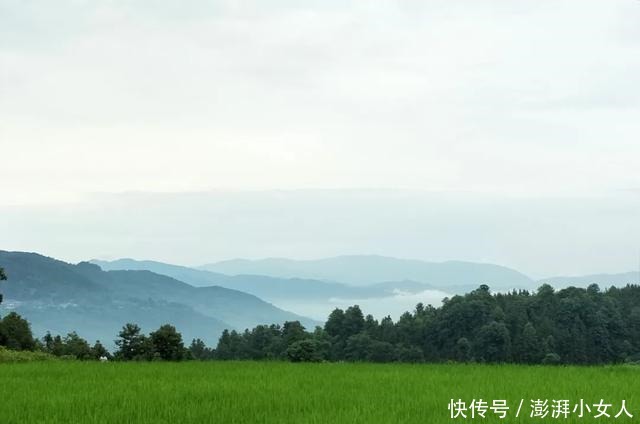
379,307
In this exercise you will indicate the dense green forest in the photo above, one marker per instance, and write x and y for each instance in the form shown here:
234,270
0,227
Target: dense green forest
570,326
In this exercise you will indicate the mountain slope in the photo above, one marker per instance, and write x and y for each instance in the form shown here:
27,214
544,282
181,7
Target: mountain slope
192,276
60,297
363,270
270,288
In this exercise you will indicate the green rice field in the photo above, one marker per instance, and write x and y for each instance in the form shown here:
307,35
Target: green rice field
273,392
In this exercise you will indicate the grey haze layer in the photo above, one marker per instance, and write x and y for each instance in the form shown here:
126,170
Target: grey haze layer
537,236
603,280
439,94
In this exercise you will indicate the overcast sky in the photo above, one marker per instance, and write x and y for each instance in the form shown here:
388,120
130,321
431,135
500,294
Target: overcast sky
535,99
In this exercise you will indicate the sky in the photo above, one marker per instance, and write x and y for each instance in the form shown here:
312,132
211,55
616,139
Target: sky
105,103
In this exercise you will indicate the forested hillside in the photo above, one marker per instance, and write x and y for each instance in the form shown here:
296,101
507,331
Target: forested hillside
573,325
59,297
570,326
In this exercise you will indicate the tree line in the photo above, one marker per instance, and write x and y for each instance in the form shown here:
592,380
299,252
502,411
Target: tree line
568,326
132,345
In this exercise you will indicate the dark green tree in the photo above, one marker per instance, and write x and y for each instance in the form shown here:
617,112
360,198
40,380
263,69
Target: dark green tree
3,277
409,354
464,352
572,325
381,352
334,326
266,342
15,333
167,343
78,347
58,346
358,347
387,331
531,351
132,344
307,350
231,346
47,342
99,351
551,359
353,321
198,350
324,342
493,343
293,331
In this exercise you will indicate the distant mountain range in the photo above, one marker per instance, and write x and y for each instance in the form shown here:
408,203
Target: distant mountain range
364,270
603,280
96,298
355,277
60,297
265,287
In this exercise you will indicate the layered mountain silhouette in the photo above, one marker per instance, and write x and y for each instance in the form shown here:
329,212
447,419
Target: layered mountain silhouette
60,297
367,269
96,298
265,287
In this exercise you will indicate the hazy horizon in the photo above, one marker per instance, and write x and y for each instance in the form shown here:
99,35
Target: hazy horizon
197,228
499,132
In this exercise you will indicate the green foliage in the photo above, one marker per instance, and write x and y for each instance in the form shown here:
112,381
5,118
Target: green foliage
353,322
551,359
384,352
358,347
198,350
569,326
72,346
163,344
334,326
99,351
77,346
307,350
409,354
493,343
231,346
15,333
530,346
293,331
132,344
7,356
167,343
463,350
